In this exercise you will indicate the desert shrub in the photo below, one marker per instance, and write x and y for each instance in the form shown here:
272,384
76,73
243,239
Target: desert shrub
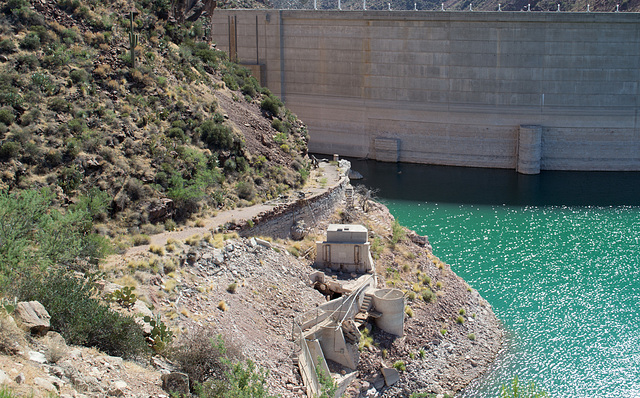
11,97
229,165
134,188
43,33
271,104
7,46
215,135
43,83
140,239
9,150
59,104
428,296
27,62
76,125
6,116
397,233
14,4
31,41
78,316
207,55
400,366
249,90
245,190
70,178
177,134
79,76
56,57
69,5
201,352
37,235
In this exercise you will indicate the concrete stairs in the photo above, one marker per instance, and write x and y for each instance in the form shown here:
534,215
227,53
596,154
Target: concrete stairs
367,302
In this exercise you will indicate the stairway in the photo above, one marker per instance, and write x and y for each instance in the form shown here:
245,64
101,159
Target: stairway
366,303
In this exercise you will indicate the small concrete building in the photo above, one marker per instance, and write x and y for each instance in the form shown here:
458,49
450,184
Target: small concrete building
347,249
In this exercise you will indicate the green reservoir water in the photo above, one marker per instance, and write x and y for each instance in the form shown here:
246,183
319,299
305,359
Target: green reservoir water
556,255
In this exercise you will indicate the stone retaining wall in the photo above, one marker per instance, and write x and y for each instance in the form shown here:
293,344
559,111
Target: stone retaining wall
277,222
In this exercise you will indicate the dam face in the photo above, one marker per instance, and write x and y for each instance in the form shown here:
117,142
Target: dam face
521,90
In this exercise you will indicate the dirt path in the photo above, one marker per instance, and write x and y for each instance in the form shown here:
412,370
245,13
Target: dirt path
325,177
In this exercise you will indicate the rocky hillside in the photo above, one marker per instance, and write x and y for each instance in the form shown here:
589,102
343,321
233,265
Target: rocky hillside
248,291
157,131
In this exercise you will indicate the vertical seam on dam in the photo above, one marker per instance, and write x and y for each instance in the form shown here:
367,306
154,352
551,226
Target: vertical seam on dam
282,72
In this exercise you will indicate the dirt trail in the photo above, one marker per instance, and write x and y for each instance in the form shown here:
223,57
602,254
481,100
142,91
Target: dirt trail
325,177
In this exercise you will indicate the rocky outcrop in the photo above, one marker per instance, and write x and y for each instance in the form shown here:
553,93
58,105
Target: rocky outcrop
191,10
33,316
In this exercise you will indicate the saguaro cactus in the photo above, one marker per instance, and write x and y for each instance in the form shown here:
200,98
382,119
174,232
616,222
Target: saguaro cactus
133,42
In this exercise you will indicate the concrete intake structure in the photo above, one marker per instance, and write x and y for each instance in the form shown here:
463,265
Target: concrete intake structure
452,88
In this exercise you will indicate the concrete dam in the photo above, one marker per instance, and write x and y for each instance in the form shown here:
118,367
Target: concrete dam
528,91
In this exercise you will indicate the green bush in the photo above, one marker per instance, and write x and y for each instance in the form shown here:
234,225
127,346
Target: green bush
428,296
79,76
43,83
6,116
397,233
400,366
177,134
7,46
36,235
27,62
78,316
201,354
31,41
215,135
249,90
271,104
9,150
59,104
14,4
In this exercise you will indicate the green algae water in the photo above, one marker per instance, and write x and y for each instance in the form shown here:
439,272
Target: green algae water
556,255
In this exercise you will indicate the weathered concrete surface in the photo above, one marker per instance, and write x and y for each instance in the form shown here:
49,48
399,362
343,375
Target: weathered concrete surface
452,88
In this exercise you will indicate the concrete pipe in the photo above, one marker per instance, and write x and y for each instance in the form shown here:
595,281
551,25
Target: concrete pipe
390,302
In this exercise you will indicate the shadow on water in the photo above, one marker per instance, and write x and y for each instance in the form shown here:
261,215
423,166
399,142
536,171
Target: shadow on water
466,185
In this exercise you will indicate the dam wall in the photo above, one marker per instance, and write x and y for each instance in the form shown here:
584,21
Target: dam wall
522,90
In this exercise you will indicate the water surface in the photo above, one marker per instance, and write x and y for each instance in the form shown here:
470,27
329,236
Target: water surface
557,256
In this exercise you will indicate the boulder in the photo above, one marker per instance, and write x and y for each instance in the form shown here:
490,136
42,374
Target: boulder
298,230
33,316
118,388
38,357
56,347
176,383
391,376
44,384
